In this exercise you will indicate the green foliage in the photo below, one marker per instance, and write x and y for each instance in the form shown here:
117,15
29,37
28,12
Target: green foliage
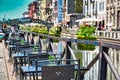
78,6
39,29
87,37
55,31
22,41
86,33
26,28
55,40
82,46
51,57
35,48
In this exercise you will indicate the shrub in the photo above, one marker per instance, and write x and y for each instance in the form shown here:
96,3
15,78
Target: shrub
39,29
55,31
86,33
26,28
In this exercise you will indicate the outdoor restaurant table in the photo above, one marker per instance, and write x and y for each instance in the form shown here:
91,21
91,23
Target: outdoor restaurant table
18,59
28,70
35,69
21,59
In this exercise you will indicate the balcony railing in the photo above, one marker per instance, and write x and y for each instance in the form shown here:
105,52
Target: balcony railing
100,34
108,34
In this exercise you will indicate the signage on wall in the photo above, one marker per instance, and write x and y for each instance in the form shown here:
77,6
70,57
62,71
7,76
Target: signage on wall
60,16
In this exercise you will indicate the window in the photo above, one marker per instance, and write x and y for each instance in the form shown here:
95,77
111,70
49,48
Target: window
107,17
110,17
102,6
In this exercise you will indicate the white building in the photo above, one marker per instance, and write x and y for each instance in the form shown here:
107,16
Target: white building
95,9
113,13
25,14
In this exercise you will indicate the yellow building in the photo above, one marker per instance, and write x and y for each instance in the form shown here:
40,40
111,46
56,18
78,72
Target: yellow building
43,9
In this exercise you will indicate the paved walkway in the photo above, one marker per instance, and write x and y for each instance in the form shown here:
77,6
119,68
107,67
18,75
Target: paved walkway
3,71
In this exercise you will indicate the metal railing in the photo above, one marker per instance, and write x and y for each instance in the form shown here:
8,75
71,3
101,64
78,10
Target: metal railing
108,34
69,53
115,35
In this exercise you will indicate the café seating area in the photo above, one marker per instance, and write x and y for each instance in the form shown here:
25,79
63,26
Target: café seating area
31,62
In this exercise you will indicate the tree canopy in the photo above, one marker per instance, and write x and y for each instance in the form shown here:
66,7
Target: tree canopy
78,6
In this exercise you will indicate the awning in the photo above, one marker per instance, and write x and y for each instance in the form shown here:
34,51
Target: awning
110,24
89,20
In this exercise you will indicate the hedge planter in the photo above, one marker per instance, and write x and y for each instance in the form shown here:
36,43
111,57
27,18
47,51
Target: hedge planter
55,40
86,33
82,46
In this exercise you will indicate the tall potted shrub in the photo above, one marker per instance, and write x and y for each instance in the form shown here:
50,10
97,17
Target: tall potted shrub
86,33
55,31
39,29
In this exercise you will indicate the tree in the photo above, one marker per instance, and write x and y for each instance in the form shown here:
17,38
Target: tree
78,6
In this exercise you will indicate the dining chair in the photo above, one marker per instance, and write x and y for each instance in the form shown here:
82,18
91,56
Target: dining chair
30,70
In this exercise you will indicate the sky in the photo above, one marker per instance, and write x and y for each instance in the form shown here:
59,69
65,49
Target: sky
13,8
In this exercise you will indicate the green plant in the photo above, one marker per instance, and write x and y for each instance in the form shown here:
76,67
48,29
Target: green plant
26,28
55,40
86,33
55,31
78,6
39,29
35,48
83,46
51,57
22,41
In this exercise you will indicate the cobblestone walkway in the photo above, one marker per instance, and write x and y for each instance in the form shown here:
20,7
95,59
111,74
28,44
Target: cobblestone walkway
3,73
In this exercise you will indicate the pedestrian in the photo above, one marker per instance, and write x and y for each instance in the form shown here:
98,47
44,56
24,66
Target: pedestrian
13,29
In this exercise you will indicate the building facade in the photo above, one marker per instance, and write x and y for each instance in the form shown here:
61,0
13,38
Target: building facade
44,9
41,9
113,14
32,10
95,9
25,14
55,12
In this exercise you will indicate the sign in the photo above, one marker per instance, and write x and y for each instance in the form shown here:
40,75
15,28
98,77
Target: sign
60,15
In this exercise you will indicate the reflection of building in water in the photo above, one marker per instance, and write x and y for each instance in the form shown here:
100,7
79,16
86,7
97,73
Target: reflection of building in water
92,74
87,57
115,58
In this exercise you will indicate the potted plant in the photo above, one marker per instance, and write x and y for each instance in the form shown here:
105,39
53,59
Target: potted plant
55,31
35,48
51,58
25,28
86,33
22,42
39,29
